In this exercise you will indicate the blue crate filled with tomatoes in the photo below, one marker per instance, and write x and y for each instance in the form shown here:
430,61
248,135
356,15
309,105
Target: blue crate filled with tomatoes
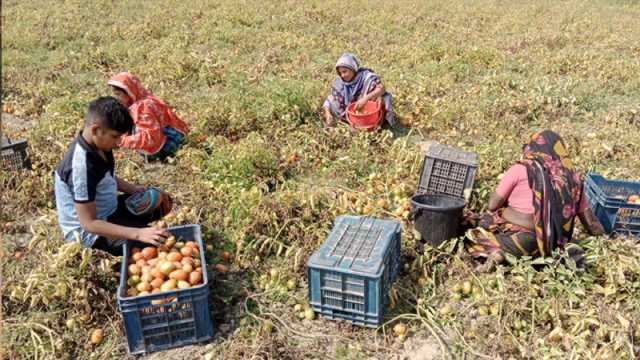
616,203
163,293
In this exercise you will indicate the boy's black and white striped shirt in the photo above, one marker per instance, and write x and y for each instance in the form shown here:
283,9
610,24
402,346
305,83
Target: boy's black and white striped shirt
84,176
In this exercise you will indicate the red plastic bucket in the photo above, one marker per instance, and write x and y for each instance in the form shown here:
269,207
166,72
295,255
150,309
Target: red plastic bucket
368,118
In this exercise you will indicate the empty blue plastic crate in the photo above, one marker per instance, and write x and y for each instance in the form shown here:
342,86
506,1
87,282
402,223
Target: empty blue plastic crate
182,319
608,201
350,275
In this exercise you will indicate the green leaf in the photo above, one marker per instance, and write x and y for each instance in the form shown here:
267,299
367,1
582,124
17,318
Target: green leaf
512,260
539,261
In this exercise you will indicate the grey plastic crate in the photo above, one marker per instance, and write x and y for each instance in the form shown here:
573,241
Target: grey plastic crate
448,171
14,155
350,275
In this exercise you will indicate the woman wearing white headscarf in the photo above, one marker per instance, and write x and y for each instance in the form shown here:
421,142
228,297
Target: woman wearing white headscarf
355,83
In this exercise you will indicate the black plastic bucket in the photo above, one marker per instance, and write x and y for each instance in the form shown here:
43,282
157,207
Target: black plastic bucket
436,217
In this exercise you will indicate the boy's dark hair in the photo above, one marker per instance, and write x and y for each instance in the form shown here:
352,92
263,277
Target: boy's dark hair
109,112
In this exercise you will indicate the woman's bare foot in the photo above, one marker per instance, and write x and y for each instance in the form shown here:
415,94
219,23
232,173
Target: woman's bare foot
491,262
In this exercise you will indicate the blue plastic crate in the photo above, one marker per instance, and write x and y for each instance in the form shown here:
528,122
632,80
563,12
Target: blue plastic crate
184,317
608,201
350,275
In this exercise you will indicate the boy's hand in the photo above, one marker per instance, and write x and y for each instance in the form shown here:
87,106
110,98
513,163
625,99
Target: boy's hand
138,188
129,188
167,203
151,235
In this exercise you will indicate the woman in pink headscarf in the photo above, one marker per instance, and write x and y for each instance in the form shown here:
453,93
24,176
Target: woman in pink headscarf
534,208
158,132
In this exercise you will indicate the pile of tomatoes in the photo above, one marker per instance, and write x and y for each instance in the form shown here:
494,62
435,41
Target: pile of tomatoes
174,265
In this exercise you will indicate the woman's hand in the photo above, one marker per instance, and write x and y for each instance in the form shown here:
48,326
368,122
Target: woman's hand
361,103
375,95
328,117
591,222
496,202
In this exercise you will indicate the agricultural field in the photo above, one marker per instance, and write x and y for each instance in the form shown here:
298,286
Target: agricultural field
265,179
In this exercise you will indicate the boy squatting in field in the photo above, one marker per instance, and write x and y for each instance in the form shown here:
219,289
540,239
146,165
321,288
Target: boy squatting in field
158,131
359,84
86,186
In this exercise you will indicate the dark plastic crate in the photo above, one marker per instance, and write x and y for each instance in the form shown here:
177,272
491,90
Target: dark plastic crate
350,275
447,170
184,320
14,156
608,201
